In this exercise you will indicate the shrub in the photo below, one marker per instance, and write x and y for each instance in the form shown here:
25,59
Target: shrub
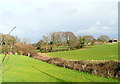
33,53
24,49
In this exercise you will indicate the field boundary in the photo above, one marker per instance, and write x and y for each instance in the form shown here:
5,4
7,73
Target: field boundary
104,68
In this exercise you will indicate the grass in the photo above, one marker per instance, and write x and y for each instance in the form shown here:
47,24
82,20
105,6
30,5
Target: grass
99,52
60,48
37,50
26,69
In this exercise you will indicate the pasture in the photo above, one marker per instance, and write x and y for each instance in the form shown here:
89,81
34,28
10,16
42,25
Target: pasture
25,69
98,52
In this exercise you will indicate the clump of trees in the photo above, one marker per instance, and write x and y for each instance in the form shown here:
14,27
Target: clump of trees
12,45
89,40
7,42
24,49
53,41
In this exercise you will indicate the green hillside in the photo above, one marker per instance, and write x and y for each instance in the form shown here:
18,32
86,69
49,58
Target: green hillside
26,69
98,52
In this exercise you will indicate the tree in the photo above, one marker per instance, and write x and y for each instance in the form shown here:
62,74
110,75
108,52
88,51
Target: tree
68,42
61,38
7,39
39,44
81,42
17,39
7,42
26,40
3,42
55,37
46,41
71,40
103,38
51,45
89,40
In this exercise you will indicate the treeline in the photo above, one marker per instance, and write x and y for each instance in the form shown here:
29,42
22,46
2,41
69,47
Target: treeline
55,40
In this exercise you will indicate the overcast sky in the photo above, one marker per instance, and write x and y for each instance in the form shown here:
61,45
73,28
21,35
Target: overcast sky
35,18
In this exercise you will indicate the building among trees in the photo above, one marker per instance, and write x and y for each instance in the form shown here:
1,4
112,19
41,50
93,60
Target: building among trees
113,41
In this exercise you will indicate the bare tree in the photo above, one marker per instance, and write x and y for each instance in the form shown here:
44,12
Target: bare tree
61,38
103,38
71,40
39,44
89,40
26,40
5,58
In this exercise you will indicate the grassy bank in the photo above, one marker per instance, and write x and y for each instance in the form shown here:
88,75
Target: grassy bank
26,69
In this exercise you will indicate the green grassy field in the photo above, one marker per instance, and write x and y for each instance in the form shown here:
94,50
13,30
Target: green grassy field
26,69
98,52
60,48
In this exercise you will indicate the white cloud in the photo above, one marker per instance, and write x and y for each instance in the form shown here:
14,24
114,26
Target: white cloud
34,18
106,27
98,23
97,30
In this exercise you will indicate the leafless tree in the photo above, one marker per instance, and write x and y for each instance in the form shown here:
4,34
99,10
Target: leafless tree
62,37
89,40
26,40
103,38
5,58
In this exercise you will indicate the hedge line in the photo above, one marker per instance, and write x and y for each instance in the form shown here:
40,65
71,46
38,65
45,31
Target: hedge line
108,69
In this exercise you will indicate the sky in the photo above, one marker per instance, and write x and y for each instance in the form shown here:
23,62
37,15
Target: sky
35,18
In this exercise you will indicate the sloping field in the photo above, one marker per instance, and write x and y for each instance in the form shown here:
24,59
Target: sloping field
99,52
26,69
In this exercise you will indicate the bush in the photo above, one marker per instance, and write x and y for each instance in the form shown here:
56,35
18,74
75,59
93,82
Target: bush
24,49
33,53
